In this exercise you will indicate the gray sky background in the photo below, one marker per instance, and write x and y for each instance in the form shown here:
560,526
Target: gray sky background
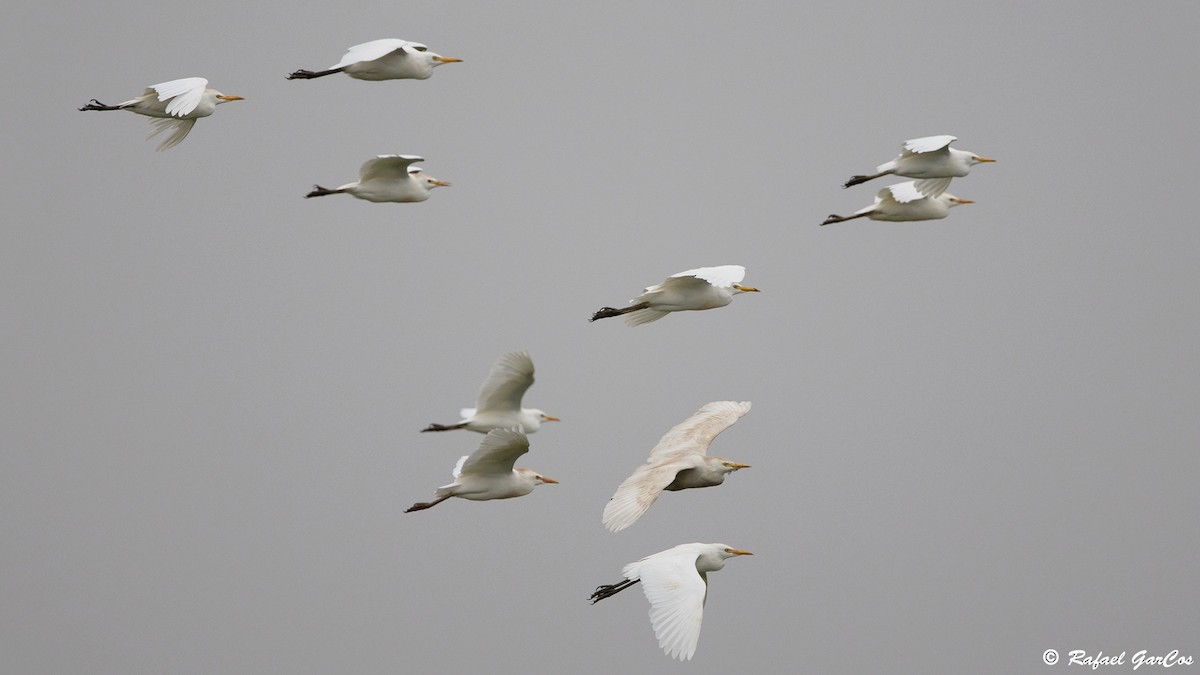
972,439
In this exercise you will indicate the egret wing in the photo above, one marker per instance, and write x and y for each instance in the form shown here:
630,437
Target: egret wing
506,383
697,432
637,493
722,276
920,146
184,94
369,51
178,130
901,193
931,187
497,453
387,167
676,592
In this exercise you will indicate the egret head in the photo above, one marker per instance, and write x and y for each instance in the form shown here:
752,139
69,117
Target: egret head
426,181
955,201
729,467
976,159
535,477
729,552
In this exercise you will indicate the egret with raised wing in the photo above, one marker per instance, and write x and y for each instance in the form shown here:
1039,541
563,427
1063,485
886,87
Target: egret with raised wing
488,472
498,405
928,157
387,59
387,178
175,107
701,288
679,461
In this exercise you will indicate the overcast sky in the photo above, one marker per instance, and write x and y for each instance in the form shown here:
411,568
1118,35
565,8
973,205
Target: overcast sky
972,439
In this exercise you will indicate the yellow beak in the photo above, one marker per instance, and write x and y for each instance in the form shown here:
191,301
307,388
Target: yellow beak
738,551
746,289
984,159
223,97
441,183
447,59
547,479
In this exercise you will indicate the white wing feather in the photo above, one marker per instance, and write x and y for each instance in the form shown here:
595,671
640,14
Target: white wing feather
918,146
901,193
179,129
185,94
931,187
369,51
678,450
723,276
497,453
697,432
641,316
459,466
506,383
387,167
637,493
676,592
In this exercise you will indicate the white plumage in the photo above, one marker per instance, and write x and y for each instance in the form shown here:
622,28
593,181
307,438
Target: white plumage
914,200
175,107
679,461
387,59
387,178
498,405
675,582
488,472
928,157
698,289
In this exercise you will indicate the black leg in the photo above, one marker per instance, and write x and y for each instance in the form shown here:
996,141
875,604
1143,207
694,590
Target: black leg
434,426
606,312
421,506
312,74
97,105
318,191
609,590
855,180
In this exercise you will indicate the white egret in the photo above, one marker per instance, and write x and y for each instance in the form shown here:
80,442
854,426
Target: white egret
914,200
679,461
387,178
498,405
175,105
388,59
929,157
488,472
676,584
701,288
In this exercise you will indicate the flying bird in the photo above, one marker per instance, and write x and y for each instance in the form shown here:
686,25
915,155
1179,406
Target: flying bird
175,107
676,584
701,288
488,472
388,59
914,200
679,461
498,405
929,157
387,178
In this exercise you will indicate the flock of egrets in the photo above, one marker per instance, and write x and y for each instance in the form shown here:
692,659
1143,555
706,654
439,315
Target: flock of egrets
674,580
